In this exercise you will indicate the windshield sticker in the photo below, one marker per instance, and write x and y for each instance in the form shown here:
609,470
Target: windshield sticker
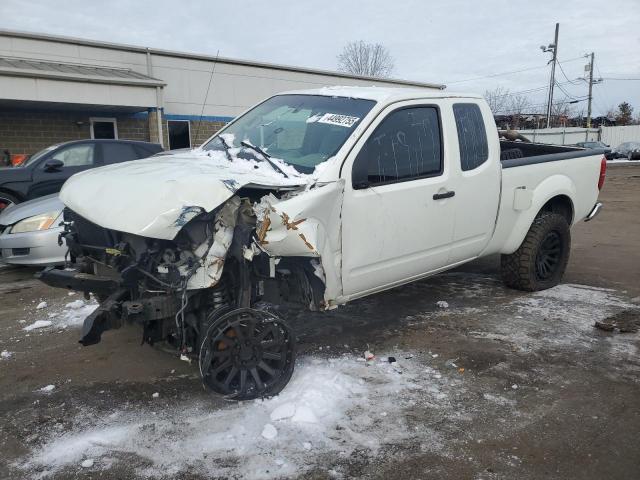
341,120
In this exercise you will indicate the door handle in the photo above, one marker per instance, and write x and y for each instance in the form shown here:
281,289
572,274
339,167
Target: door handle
440,196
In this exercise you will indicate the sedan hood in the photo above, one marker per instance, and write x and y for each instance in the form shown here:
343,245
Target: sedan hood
157,196
16,212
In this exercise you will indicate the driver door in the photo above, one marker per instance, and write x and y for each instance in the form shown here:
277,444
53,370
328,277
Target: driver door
398,217
75,158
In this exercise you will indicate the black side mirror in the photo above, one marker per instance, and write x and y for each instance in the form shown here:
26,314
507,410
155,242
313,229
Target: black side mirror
360,170
53,165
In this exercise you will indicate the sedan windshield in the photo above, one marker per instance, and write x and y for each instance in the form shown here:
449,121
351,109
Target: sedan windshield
302,130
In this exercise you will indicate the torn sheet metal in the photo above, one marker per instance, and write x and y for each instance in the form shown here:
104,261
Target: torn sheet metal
305,225
212,263
155,197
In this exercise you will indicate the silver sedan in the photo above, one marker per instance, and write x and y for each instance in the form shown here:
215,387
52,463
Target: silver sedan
29,233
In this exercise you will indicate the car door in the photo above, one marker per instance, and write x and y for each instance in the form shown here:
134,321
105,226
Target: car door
477,180
397,217
71,159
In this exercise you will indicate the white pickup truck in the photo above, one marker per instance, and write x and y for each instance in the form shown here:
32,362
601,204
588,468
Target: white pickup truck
314,198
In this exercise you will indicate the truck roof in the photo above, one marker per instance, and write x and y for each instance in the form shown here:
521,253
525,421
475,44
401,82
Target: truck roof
382,94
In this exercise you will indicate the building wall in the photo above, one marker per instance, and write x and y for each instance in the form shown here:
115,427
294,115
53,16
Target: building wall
233,87
29,132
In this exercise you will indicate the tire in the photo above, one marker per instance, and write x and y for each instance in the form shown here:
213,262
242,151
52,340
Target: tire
7,199
236,348
542,258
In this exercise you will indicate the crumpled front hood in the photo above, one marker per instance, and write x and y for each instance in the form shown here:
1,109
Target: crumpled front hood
155,197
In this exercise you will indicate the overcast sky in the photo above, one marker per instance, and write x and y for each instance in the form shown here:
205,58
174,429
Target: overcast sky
445,41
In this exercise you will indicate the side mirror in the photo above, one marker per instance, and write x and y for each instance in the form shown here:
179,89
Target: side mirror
360,170
53,165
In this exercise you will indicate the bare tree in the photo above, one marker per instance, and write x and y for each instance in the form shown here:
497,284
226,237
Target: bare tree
561,112
497,99
366,59
516,107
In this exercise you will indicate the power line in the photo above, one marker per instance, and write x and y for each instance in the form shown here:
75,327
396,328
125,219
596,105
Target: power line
508,73
572,82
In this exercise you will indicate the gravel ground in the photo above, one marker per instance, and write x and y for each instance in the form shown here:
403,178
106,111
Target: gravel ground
491,384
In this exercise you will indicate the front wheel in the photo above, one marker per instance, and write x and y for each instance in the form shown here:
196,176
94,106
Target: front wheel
542,258
246,354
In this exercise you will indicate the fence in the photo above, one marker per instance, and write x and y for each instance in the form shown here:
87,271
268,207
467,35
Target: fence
613,136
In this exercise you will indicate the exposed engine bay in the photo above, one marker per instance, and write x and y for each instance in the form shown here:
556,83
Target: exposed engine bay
211,292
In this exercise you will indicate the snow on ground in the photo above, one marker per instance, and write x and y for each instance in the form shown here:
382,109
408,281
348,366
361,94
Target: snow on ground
72,314
332,406
338,407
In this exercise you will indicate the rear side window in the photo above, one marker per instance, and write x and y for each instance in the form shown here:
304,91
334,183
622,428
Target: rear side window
472,136
118,152
405,145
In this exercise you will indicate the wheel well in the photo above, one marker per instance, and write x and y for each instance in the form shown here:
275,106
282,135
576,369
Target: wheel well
12,193
562,205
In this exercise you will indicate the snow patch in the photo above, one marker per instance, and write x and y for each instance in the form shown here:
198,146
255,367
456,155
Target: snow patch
41,305
5,354
331,406
38,324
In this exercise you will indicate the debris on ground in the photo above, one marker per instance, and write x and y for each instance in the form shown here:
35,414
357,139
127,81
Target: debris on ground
5,354
442,304
368,356
627,321
88,463
514,386
41,305
391,359
155,395
38,324
47,389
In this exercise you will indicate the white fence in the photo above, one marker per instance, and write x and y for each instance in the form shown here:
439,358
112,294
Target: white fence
613,136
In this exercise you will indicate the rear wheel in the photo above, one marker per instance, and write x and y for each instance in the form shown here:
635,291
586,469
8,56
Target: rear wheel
7,199
246,354
542,258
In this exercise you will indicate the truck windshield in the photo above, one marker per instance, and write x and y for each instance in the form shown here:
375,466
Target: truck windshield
302,130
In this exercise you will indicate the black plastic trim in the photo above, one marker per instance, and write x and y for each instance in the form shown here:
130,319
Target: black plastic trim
551,157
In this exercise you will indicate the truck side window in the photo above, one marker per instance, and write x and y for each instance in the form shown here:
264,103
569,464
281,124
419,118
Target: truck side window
406,145
472,137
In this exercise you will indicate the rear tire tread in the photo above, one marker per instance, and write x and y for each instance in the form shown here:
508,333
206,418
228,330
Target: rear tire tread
518,268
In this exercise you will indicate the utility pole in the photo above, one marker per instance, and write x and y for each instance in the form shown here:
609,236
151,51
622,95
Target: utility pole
590,90
553,48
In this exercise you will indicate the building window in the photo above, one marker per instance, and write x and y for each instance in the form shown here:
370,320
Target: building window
104,128
405,146
472,137
179,134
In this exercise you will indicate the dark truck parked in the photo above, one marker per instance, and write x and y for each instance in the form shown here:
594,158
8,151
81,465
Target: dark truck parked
46,171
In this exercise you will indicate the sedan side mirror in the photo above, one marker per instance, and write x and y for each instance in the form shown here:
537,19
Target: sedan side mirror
53,165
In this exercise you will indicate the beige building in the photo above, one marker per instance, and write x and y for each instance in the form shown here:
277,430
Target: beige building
54,89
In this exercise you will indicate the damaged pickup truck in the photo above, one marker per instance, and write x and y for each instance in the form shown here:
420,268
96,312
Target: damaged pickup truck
313,199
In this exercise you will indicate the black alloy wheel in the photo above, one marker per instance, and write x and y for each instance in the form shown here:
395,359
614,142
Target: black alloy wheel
549,255
246,354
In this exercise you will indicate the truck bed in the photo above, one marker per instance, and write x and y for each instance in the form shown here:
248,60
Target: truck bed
515,153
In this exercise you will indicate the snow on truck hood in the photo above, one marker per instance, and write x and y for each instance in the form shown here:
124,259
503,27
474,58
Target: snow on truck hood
155,197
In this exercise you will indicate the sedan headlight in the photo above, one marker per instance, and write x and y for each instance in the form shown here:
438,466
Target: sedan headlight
37,222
